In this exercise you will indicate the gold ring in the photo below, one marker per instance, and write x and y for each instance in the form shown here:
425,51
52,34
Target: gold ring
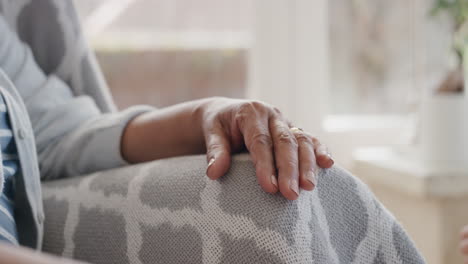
296,129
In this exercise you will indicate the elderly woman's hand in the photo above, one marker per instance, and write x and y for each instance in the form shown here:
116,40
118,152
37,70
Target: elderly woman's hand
285,157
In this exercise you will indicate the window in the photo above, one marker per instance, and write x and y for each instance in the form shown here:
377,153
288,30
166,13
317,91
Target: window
384,54
163,52
341,69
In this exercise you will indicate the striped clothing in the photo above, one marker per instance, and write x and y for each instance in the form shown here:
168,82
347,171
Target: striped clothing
60,109
9,158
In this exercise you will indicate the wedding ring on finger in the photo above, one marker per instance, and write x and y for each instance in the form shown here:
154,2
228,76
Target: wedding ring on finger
295,130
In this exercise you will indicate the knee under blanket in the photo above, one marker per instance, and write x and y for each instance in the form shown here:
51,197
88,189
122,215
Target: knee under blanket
168,211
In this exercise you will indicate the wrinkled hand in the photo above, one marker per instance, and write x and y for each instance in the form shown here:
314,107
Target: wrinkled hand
285,158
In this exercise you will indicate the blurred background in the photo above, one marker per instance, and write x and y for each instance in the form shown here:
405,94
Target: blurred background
165,52
376,48
354,72
380,55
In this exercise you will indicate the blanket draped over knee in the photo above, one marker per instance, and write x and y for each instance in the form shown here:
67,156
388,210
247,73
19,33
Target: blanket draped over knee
168,211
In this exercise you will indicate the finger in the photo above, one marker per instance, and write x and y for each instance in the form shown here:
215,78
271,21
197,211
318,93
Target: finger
464,232
218,153
259,144
322,155
286,158
464,246
307,163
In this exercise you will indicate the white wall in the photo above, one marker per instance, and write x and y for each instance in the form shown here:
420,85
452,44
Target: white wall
289,59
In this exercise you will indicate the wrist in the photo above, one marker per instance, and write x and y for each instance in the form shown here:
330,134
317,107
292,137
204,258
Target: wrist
130,136
167,132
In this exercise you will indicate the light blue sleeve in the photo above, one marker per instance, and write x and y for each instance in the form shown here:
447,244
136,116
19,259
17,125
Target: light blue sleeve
72,136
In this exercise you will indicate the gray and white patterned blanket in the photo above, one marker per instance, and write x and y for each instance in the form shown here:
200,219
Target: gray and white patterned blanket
168,211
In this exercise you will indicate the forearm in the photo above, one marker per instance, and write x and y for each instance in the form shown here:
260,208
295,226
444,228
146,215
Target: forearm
19,255
168,132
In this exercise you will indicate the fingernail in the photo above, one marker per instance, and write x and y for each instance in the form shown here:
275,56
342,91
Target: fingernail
311,178
212,160
274,181
331,158
295,186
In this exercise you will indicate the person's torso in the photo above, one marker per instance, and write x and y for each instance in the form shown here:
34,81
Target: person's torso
50,30
9,165
28,208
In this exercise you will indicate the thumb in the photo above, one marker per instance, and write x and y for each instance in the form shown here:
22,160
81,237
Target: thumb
218,153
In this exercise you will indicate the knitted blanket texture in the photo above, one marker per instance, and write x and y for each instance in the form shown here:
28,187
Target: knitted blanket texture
168,211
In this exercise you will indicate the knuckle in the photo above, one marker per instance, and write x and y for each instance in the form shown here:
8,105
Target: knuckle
257,104
240,118
287,164
252,106
244,111
287,138
250,110
303,138
215,147
262,139
247,108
